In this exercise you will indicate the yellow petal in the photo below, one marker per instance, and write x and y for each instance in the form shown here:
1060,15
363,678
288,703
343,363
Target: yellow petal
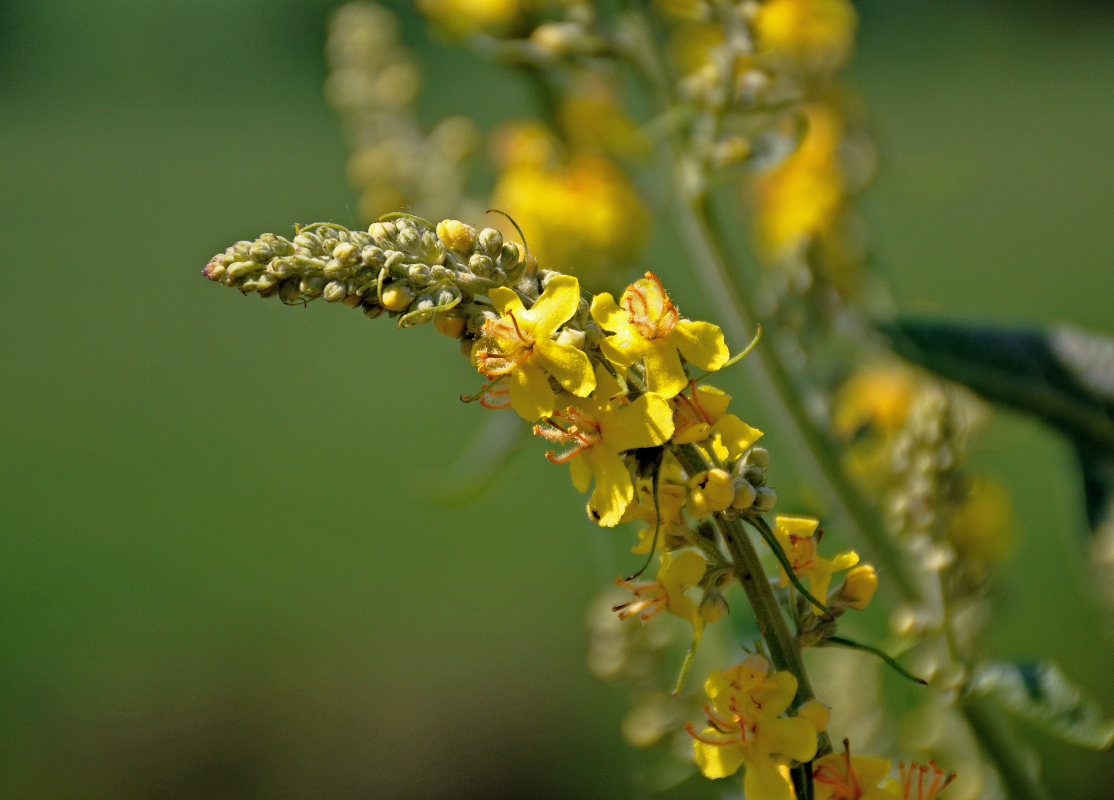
647,422
683,571
505,300
581,472
701,343
665,375
569,365
775,694
713,401
607,313
790,737
531,395
796,526
613,491
717,761
556,305
735,435
622,349
764,781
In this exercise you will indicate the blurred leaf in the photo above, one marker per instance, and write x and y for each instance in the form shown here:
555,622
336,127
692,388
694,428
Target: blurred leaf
1065,377
1098,485
1040,693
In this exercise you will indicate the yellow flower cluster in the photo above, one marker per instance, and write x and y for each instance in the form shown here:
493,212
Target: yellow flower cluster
581,209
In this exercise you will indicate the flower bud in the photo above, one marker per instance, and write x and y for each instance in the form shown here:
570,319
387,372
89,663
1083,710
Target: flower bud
334,291
758,457
491,242
451,325
745,495
346,254
397,297
712,606
711,491
765,499
456,235
857,589
481,265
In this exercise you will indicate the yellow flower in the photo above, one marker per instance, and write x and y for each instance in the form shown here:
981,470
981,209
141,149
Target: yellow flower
743,711
646,326
582,212
676,574
841,776
600,428
701,417
797,539
982,527
816,33
464,17
519,345
802,198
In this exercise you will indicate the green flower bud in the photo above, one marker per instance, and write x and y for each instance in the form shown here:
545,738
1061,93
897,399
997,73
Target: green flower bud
309,242
481,265
282,268
261,252
373,256
764,500
346,254
491,242
312,285
334,291
745,495
758,457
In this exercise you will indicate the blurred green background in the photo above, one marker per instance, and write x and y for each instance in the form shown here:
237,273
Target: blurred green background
224,571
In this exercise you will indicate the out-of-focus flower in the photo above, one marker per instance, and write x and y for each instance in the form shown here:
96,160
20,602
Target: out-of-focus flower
816,34
582,213
802,198
465,17
982,526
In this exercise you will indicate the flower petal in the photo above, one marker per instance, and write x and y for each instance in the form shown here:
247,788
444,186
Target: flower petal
581,472
614,489
701,343
665,374
647,422
764,781
555,306
569,365
531,395
505,300
717,761
790,737
735,435
607,313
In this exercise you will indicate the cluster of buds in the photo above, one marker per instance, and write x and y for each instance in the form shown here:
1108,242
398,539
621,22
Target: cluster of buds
401,266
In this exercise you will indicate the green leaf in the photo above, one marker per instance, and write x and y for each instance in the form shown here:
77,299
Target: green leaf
1063,376
1038,691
